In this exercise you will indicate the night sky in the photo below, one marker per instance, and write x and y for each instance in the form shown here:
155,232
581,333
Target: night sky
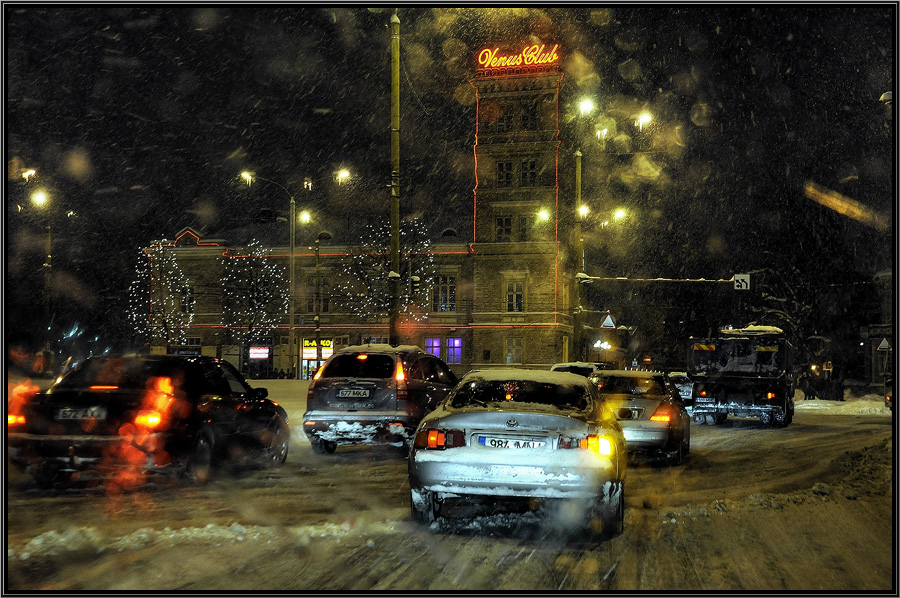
140,118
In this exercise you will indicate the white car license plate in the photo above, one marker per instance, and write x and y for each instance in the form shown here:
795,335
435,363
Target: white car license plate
352,406
511,443
353,393
81,413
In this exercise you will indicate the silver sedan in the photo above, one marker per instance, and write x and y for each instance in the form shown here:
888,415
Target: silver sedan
514,433
650,410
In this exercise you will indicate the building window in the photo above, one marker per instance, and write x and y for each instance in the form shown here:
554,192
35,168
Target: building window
444,294
375,340
187,300
530,116
526,225
504,174
192,341
514,349
504,228
505,120
529,173
454,350
515,296
433,346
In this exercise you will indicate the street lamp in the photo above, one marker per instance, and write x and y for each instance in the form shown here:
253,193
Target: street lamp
249,178
324,235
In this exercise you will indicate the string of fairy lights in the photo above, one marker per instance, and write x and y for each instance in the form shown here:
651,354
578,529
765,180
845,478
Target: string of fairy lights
254,290
158,296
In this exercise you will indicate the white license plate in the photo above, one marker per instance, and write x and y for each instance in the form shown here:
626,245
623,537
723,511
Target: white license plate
352,406
81,413
511,443
353,393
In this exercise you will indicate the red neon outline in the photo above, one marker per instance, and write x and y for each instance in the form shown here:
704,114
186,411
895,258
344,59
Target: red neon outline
556,264
475,152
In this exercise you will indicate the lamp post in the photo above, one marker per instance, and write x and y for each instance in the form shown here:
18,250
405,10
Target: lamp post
585,107
324,235
250,177
40,199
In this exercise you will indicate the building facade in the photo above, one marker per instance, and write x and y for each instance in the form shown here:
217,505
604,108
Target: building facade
502,296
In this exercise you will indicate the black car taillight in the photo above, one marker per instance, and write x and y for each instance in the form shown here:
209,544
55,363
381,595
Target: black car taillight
400,382
439,439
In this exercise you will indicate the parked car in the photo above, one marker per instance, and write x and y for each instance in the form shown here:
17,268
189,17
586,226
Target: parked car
121,418
684,385
650,410
514,433
373,394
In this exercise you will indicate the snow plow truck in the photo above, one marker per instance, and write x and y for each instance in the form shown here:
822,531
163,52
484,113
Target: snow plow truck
744,372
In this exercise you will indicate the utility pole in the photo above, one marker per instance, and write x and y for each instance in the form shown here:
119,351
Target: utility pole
394,275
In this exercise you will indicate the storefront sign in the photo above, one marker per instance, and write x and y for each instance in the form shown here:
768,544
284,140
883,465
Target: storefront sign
259,352
530,56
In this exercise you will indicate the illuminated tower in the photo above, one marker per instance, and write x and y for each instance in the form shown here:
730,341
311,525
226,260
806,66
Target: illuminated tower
521,312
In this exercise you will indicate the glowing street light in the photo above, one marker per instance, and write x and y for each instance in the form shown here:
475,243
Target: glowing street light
583,211
341,176
644,118
544,214
586,106
619,214
27,174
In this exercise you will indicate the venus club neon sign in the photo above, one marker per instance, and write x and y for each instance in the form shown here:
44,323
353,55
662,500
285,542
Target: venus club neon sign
534,55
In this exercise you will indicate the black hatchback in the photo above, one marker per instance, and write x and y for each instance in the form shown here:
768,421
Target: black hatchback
373,394
120,418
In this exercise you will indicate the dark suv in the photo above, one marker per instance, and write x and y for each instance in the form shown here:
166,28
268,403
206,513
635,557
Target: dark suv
373,394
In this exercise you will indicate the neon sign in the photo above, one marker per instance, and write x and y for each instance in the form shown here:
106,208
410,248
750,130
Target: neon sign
530,56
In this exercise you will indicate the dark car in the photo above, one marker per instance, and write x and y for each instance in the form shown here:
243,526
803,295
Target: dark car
373,394
650,410
121,418
509,434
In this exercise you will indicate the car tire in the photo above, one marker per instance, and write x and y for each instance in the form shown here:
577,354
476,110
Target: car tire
783,420
201,459
280,440
322,447
423,507
766,418
699,419
676,456
711,419
611,508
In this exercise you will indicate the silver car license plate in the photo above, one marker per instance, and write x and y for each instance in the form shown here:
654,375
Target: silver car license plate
81,413
353,393
510,443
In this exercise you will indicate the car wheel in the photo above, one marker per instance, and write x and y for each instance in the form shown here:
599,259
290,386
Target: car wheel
322,447
200,460
611,508
423,507
676,456
280,441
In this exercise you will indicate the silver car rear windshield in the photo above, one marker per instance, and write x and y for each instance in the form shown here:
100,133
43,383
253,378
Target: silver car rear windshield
360,365
629,386
486,392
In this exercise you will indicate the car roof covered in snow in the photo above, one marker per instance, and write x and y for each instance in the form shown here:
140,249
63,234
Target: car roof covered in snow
562,378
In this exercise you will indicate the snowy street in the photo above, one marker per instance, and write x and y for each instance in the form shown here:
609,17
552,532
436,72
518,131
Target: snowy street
808,507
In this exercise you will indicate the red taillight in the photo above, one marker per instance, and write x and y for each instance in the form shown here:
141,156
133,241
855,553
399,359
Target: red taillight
662,414
702,393
770,395
103,387
400,379
593,443
15,420
439,439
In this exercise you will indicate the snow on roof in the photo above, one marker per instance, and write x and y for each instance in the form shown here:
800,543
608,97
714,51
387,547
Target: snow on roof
562,378
381,348
753,330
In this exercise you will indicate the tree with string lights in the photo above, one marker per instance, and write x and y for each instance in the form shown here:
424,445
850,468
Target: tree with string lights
255,293
361,281
160,297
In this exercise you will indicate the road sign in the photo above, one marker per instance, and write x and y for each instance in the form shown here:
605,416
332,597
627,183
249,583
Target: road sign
885,345
608,322
742,282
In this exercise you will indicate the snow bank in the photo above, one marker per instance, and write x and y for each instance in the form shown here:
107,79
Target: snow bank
866,405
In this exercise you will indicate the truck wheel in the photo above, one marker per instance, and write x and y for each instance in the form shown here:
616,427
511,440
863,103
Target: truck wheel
711,419
322,447
766,418
783,420
700,419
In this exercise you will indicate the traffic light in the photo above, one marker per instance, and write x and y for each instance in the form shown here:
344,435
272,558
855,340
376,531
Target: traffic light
414,284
